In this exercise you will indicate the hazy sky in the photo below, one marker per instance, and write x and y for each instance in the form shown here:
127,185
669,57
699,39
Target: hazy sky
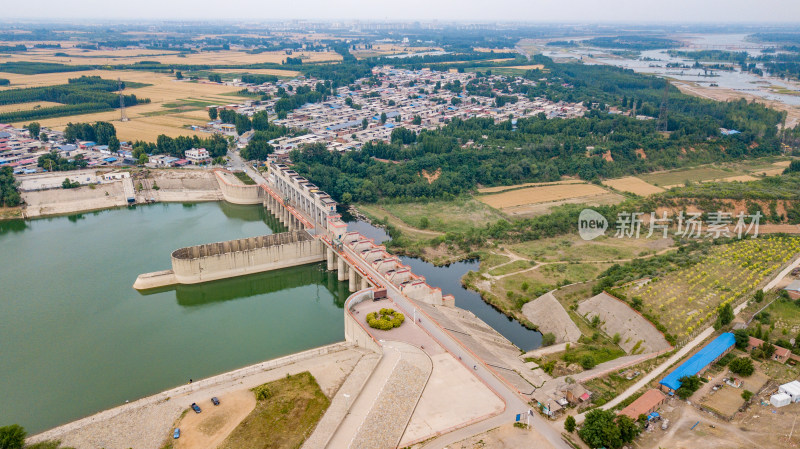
710,11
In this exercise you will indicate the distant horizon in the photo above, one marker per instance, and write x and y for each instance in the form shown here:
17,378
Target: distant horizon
689,12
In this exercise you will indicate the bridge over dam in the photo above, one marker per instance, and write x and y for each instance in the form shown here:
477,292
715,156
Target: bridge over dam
316,233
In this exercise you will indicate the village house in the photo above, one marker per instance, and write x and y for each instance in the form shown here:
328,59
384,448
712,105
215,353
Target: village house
198,156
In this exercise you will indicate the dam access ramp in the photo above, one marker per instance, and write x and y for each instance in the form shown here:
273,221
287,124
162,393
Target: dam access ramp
213,261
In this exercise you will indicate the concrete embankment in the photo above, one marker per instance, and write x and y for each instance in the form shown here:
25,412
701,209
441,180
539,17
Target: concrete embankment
148,422
213,261
172,186
236,192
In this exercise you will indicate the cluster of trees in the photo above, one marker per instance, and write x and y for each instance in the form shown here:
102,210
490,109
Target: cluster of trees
606,429
9,195
102,133
84,94
303,95
215,78
242,122
13,48
4,82
258,148
52,161
293,61
259,78
689,384
217,145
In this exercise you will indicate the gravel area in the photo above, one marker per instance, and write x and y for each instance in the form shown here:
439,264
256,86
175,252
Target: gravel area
618,318
548,314
386,422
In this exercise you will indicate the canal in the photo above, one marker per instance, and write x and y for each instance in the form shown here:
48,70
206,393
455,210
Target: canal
448,278
76,338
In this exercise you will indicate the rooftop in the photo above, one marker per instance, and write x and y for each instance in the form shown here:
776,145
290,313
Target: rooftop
697,362
642,406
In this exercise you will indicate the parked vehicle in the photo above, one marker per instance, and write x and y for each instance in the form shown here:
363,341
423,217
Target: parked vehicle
176,434
379,293
215,401
196,407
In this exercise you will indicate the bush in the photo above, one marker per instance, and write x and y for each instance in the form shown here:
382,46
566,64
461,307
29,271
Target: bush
12,437
747,394
569,424
385,319
689,384
725,360
587,362
548,339
742,366
262,392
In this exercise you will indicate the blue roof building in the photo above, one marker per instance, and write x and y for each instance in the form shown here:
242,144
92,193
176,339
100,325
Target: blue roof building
698,362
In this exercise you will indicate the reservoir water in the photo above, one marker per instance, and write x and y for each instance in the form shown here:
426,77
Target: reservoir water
76,338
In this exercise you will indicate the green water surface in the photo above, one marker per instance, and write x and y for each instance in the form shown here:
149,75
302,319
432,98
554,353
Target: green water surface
76,338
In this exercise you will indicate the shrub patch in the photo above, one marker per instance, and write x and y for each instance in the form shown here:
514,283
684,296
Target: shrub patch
385,319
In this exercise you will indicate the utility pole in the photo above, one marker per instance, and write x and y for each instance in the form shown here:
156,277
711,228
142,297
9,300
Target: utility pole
123,117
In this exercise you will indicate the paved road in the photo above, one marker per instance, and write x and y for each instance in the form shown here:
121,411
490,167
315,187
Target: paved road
237,163
514,403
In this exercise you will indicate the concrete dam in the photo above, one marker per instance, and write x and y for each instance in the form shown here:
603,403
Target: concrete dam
316,234
213,261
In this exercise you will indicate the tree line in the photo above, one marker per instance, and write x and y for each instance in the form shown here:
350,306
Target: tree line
84,94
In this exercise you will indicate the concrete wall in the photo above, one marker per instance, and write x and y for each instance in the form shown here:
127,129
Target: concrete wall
237,193
155,280
214,261
354,330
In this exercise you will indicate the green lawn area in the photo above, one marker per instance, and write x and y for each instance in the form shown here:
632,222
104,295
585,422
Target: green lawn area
458,215
679,177
588,354
573,248
284,419
516,265
244,178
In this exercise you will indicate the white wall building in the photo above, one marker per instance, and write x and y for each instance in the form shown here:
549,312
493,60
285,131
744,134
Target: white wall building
197,156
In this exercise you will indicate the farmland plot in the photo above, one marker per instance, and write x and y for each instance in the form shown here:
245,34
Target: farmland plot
687,299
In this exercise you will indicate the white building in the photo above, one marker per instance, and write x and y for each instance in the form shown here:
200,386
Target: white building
116,175
780,399
792,389
197,156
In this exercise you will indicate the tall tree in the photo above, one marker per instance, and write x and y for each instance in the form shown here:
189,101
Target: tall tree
34,129
113,144
600,430
212,113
